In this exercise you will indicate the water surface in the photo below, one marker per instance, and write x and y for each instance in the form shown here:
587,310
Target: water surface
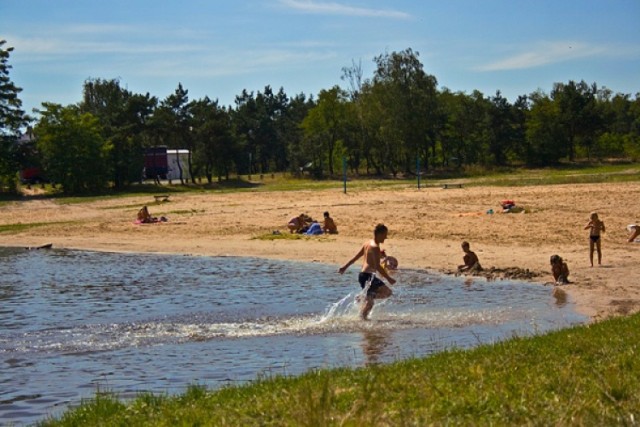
74,322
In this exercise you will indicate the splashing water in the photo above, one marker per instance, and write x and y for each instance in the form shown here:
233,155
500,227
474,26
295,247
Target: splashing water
73,321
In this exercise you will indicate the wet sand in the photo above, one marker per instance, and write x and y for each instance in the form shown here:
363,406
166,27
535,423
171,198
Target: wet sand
426,229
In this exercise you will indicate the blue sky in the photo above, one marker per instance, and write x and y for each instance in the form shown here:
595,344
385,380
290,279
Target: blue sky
218,48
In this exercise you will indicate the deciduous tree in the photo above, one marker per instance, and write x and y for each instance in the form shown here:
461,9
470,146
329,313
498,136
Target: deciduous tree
74,153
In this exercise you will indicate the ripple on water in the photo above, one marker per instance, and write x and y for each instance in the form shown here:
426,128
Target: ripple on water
75,322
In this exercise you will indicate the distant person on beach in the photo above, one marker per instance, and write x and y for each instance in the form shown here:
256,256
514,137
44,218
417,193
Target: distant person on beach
377,289
296,224
596,228
144,216
634,231
329,226
470,259
559,270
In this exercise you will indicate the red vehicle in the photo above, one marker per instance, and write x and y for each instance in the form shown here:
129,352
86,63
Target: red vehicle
32,175
155,163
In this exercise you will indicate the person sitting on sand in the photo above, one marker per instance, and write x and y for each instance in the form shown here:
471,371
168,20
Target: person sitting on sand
634,230
296,224
329,226
145,217
559,269
471,262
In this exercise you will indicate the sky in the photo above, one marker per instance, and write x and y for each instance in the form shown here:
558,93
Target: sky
218,48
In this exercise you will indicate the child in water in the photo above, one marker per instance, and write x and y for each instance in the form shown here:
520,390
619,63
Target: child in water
471,261
559,270
370,266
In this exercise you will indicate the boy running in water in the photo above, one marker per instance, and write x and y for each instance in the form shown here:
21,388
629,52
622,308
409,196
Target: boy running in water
370,266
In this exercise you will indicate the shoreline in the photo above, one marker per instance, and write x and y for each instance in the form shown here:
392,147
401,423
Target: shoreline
426,229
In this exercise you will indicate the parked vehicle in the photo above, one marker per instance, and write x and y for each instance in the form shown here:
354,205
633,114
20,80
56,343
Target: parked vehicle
32,175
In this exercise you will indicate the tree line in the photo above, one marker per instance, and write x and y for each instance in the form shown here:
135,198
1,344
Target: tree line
394,123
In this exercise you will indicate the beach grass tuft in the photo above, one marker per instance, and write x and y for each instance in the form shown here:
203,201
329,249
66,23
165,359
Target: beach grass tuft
19,227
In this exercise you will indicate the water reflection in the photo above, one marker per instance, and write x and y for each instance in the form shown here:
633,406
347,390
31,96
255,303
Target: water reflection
561,297
374,344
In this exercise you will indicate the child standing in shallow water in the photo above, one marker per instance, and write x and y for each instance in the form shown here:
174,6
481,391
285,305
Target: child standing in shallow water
595,227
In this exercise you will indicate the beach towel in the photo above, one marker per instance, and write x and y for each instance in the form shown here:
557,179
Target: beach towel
314,229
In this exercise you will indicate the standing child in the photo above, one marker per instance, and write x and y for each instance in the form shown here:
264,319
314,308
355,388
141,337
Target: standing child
595,227
370,266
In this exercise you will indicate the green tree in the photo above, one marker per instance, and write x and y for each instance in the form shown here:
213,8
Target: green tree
465,133
356,138
577,115
501,129
12,120
291,132
172,123
123,118
213,132
324,126
259,123
75,154
544,132
409,97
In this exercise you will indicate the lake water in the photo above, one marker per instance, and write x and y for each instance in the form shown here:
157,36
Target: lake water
74,322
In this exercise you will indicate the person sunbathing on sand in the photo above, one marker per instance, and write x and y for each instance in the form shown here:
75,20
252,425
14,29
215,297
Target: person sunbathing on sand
471,261
144,216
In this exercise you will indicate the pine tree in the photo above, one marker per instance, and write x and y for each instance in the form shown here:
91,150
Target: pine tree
12,120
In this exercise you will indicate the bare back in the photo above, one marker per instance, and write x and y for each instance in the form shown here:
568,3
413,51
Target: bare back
372,256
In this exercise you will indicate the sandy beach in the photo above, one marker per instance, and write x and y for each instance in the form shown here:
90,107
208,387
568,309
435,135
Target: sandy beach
426,228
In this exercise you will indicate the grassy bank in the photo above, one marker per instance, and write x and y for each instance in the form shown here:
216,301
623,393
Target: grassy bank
568,174
587,375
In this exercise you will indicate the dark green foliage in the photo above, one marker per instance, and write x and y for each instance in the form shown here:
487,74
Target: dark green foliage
123,117
388,125
12,120
73,150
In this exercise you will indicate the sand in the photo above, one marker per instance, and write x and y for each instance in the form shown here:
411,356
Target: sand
426,227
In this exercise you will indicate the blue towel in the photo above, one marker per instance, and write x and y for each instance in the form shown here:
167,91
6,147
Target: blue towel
314,229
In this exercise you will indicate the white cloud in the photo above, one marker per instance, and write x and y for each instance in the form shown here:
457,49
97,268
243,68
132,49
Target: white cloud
37,48
231,63
313,7
555,52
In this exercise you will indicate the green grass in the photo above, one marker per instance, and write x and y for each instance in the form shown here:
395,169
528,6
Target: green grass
285,235
19,227
508,176
586,375
565,175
